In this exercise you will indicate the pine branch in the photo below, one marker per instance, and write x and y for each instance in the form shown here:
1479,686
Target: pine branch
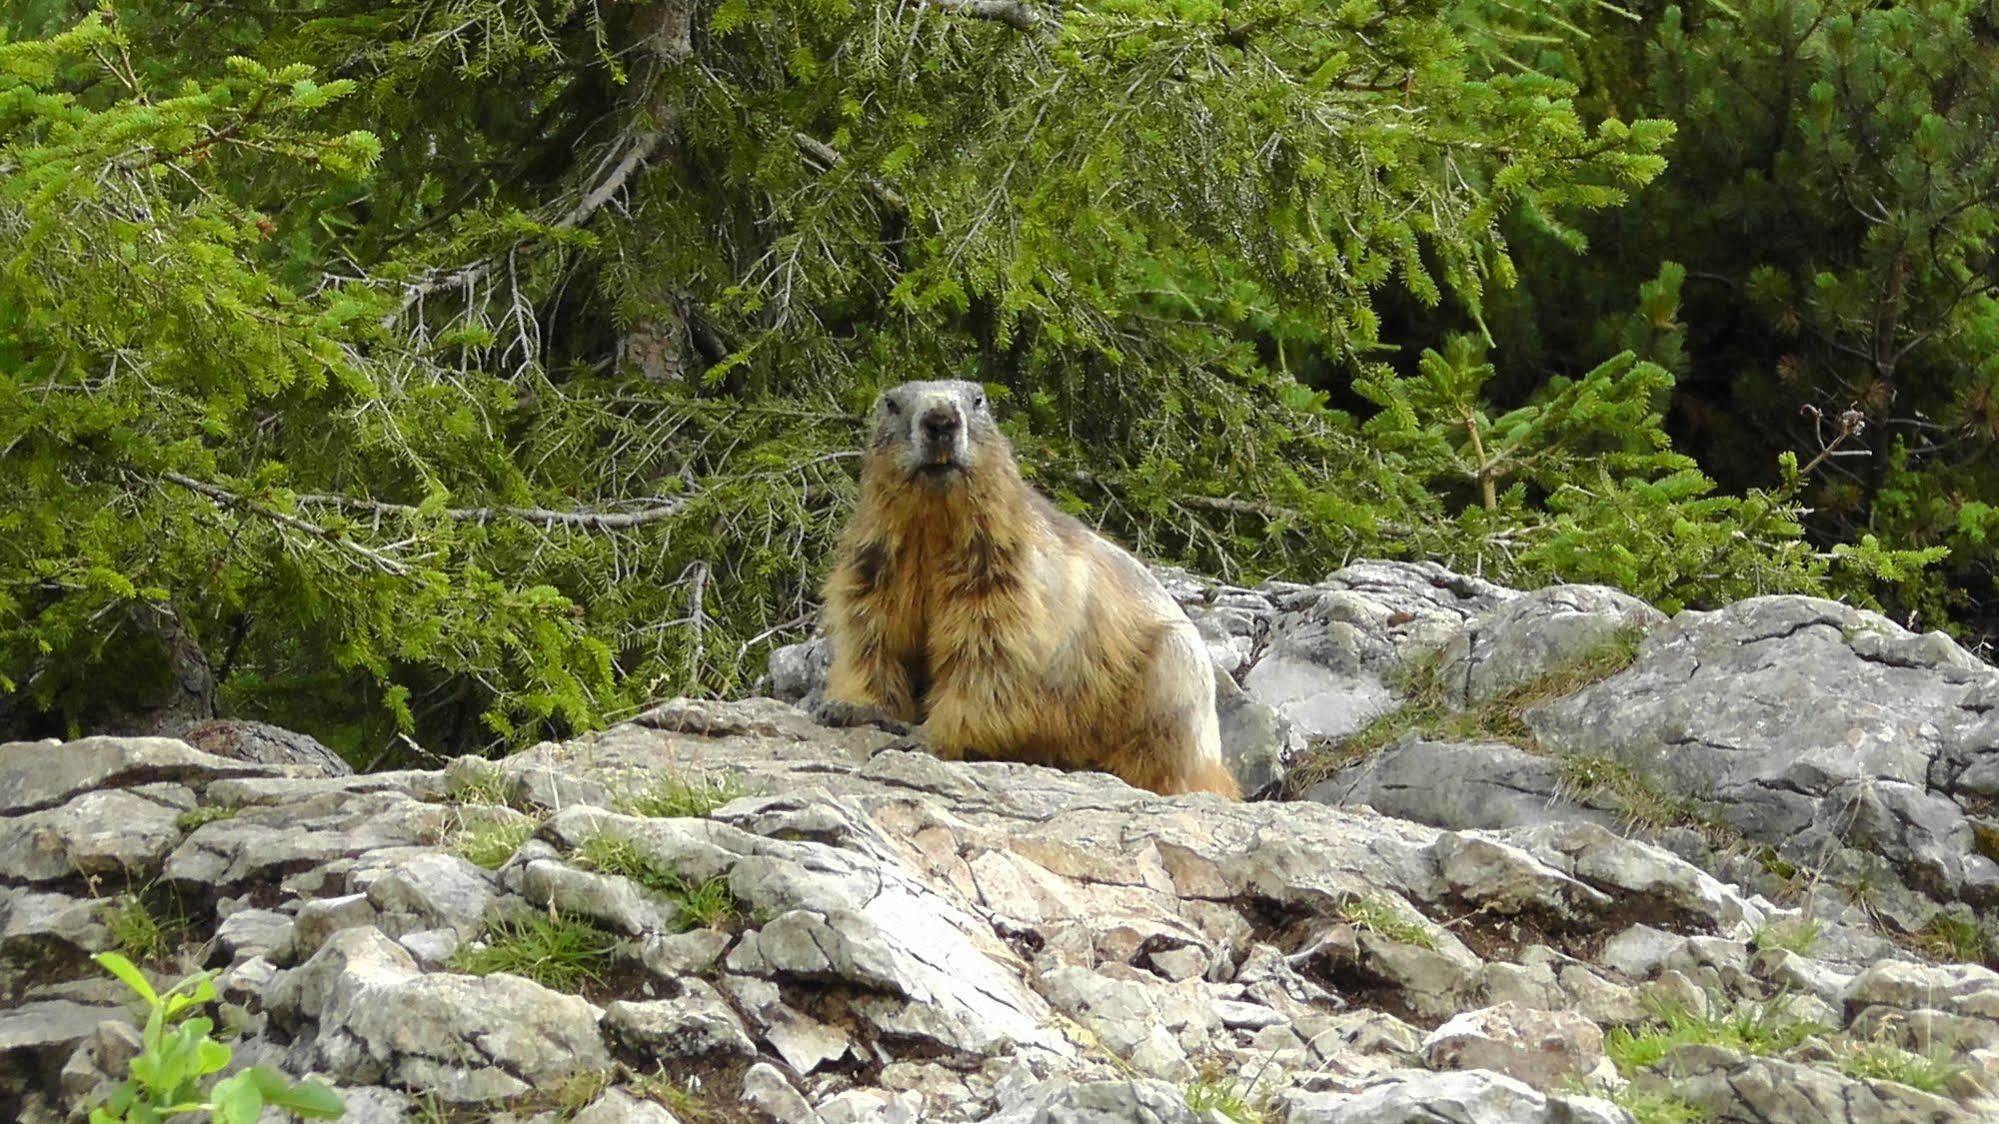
587,520
825,158
1013,13
243,503
639,150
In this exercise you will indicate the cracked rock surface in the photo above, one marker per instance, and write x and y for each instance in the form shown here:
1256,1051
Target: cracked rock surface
825,929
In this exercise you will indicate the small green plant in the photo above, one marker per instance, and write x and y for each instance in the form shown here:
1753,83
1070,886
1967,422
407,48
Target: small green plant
1799,935
482,784
704,905
1655,1106
1642,803
1376,915
178,1052
672,797
492,843
1752,1028
685,1100
1883,1061
139,933
559,952
207,813
1226,1099
1949,937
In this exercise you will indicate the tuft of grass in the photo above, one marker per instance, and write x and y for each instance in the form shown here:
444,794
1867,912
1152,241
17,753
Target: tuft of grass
1883,1061
575,1093
1949,937
1376,915
703,905
558,952
1638,800
1752,1028
686,1100
673,797
1429,712
194,817
140,933
492,843
1224,1098
1654,1106
1800,935
484,784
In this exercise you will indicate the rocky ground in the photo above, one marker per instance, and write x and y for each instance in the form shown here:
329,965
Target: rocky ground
1525,857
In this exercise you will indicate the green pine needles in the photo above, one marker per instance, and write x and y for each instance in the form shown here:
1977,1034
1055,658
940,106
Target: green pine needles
478,371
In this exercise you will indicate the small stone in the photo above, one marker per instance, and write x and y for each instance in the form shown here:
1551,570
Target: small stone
697,1023
766,1089
320,919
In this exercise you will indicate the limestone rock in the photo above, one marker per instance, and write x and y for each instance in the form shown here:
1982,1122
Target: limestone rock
896,938
363,1013
1809,723
264,744
1732,1086
1542,1048
1463,1097
1537,633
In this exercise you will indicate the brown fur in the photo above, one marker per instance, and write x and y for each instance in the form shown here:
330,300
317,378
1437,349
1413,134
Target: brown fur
1008,629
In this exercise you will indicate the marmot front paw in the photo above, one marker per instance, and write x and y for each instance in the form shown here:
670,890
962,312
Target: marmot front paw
831,712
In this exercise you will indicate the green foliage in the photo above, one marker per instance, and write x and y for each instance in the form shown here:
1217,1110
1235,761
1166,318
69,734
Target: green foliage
1225,1099
707,904
474,372
1882,1061
1655,1106
670,797
477,371
1751,1028
178,1052
1640,799
205,814
1581,483
1948,936
140,933
558,951
1377,915
490,843
1799,935
1829,194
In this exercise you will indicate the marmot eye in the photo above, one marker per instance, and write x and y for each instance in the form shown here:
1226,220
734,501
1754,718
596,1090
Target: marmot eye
893,408
979,402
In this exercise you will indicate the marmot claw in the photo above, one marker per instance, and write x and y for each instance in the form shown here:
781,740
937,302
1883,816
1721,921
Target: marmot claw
831,712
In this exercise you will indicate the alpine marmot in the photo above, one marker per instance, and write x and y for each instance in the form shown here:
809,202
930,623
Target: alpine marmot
963,600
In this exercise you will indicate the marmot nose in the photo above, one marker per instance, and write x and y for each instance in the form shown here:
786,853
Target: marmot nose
940,422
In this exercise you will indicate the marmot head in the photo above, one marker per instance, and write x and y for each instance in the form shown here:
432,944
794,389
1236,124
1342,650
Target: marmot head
936,433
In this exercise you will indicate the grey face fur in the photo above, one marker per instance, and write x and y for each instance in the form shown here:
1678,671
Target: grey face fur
934,429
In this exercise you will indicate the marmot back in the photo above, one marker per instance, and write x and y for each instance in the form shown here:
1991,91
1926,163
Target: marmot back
961,599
